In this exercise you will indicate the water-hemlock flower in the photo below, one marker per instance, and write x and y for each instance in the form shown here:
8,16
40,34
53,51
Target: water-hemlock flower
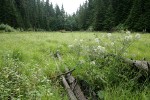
82,61
108,35
128,32
101,49
128,38
75,39
92,62
70,46
51,94
137,36
81,40
112,43
97,40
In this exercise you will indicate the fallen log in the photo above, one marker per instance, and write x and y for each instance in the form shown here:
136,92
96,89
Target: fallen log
65,83
141,65
70,92
75,87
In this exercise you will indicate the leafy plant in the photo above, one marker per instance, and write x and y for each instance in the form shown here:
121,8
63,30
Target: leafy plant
102,63
6,28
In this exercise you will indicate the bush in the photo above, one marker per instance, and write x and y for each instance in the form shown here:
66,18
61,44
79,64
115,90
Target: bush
6,28
121,27
100,62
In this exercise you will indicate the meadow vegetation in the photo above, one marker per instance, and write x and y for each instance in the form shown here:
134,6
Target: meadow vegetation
28,65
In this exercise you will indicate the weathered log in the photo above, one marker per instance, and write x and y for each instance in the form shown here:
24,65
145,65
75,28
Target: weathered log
65,83
75,87
142,65
70,92
65,73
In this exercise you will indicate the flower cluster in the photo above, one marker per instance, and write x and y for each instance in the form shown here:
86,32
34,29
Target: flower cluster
137,36
97,40
128,38
100,49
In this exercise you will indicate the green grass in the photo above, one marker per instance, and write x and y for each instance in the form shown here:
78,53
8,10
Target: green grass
30,55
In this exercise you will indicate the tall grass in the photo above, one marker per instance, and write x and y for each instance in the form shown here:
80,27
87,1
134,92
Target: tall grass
28,68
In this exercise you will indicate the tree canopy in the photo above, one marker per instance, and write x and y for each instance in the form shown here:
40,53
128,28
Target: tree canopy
97,15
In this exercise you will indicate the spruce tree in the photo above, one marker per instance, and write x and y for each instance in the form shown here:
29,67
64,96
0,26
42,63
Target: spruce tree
99,15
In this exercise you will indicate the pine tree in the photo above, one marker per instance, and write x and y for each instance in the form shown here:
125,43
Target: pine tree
8,13
135,14
99,15
109,21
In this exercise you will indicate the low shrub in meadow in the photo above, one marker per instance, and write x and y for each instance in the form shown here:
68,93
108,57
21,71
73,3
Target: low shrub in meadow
100,63
6,28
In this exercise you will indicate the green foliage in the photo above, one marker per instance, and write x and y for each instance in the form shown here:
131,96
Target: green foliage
101,62
28,68
105,15
121,27
6,28
13,83
138,17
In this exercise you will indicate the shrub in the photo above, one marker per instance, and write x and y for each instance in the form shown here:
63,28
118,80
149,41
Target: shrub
13,84
121,27
90,29
30,29
6,28
100,61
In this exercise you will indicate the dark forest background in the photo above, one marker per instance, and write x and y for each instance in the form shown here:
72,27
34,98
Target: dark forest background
92,15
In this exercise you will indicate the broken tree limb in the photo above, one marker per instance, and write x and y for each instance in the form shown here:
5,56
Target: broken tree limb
75,87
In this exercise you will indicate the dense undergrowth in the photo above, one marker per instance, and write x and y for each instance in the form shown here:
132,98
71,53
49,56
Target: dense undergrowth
28,67
6,28
102,68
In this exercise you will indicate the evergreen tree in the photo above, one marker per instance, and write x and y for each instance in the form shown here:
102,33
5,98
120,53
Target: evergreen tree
109,21
135,14
99,15
8,13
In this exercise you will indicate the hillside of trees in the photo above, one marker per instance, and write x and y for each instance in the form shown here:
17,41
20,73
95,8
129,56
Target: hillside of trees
102,15
93,15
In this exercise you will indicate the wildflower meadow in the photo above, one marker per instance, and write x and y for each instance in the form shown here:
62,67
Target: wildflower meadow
28,66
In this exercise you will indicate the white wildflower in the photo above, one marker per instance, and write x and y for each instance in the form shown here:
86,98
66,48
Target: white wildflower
82,61
51,94
81,40
108,35
101,49
60,46
128,32
92,62
75,39
128,38
103,36
70,46
125,54
112,43
137,36
95,49
97,40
